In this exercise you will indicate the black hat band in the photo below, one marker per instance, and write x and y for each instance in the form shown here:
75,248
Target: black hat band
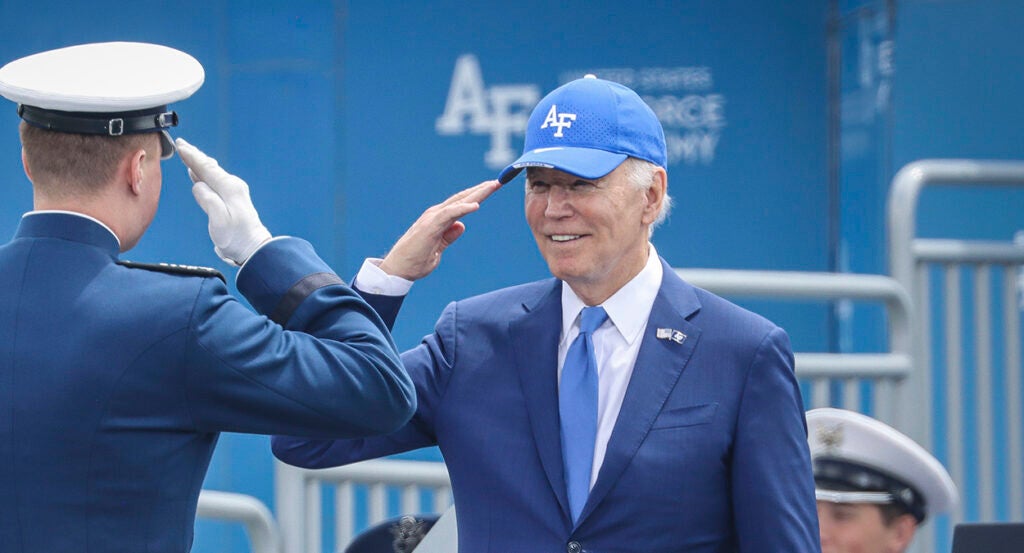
110,124
839,474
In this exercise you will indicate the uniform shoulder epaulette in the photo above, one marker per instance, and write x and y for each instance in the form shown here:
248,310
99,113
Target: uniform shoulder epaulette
176,269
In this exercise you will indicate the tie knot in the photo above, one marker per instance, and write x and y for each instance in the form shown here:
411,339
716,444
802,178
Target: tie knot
591,318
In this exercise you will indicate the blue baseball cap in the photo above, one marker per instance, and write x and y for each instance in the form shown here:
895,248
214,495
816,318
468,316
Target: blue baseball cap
587,128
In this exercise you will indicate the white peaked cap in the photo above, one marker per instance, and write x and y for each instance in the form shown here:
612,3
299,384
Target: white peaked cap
855,453
106,77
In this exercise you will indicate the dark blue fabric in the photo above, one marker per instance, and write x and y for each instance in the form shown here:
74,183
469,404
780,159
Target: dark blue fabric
115,383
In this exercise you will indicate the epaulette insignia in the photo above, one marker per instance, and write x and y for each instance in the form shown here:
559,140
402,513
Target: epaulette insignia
176,269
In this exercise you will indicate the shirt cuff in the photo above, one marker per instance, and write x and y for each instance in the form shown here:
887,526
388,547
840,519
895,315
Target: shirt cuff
372,280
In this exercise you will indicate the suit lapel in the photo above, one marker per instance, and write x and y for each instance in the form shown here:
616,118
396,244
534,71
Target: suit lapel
535,344
658,366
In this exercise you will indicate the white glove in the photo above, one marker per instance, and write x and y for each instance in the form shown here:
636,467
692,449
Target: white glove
235,227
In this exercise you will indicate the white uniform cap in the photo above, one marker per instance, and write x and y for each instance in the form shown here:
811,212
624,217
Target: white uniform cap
108,88
858,459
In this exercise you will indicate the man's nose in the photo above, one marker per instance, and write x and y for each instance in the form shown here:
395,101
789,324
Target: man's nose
559,202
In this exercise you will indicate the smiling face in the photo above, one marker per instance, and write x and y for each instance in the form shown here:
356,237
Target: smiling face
592,233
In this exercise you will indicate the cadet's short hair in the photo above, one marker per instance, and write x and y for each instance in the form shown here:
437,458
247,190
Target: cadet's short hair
64,164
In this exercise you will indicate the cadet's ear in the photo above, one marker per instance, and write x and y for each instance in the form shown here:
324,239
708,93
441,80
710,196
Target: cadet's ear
135,169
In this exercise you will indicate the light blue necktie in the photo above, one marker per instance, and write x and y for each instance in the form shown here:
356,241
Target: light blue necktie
577,408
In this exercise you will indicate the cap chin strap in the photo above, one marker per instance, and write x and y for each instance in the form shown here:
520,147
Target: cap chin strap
835,496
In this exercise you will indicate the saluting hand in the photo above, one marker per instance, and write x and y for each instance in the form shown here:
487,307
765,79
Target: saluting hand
235,226
418,252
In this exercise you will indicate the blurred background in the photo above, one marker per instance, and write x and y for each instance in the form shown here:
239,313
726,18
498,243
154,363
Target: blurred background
786,123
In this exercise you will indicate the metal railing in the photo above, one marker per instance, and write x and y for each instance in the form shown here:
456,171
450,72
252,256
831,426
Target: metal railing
299,502
246,510
886,370
916,263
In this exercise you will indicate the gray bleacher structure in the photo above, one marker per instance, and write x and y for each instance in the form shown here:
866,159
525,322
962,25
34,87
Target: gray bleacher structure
902,381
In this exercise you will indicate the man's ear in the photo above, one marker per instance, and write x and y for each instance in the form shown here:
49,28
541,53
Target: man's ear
135,169
655,195
901,531
24,165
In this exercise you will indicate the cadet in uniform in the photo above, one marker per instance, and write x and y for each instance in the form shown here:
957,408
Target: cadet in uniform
116,378
874,485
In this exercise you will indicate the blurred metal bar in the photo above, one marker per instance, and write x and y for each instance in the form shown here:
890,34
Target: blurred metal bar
377,503
901,223
303,532
852,365
932,250
410,498
954,380
851,394
1014,405
442,498
820,392
983,387
344,523
259,524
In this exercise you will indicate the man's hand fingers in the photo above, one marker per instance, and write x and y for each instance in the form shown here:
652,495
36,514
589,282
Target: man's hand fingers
450,214
212,204
202,166
452,234
475,194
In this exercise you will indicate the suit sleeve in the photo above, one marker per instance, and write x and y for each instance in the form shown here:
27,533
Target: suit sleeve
430,365
322,364
773,485
385,306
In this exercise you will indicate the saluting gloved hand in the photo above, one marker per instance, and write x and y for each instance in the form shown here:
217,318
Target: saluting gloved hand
235,227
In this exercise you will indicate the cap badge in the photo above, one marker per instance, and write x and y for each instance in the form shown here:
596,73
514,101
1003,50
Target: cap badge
831,436
560,120
407,533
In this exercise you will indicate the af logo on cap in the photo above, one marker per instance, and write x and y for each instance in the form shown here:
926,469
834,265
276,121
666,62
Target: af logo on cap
560,120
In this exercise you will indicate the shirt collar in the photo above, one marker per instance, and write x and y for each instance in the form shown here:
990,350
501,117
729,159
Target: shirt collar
628,308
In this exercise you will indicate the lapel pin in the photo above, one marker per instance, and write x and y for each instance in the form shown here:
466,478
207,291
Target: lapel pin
671,334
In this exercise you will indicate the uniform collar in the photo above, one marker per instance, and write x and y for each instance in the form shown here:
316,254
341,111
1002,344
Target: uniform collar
628,308
68,225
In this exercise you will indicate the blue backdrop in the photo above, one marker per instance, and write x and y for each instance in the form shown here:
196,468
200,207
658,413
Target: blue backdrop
349,118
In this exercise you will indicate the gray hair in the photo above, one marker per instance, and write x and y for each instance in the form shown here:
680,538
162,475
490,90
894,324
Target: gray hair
640,173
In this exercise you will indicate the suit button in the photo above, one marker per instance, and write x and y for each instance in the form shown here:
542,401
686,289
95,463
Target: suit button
574,547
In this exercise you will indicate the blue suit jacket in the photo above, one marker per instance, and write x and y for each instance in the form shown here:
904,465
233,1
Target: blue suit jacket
709,452
115,381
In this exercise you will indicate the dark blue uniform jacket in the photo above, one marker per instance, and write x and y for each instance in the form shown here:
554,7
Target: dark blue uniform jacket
115,381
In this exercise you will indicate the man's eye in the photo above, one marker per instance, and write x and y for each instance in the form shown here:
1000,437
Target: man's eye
539,187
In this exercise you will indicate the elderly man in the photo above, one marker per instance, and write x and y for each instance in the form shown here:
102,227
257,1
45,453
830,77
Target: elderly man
875,486
613,407
116,378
